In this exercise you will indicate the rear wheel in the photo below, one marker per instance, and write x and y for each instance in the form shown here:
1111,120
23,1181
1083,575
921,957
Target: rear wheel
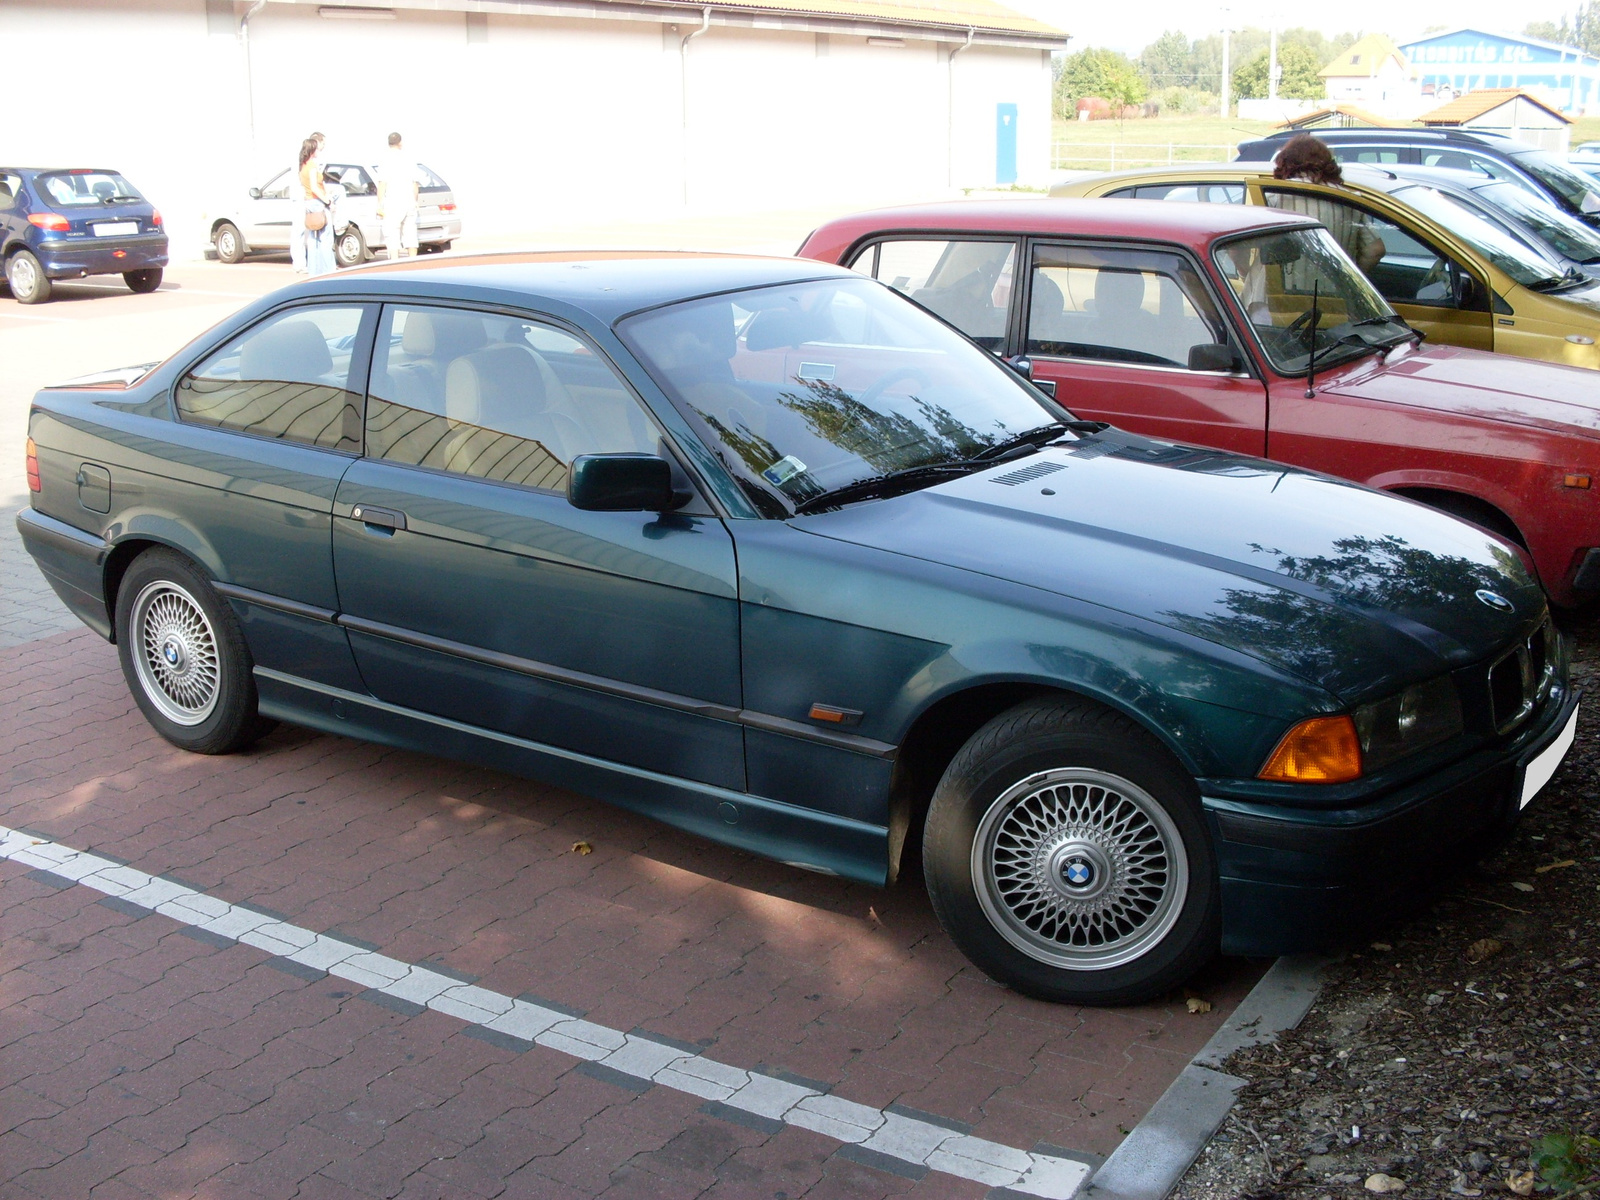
436,247
1066,856
351,248
29,285
148,279
229,243
184,656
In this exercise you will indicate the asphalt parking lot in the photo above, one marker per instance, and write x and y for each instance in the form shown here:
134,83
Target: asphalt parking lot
323,968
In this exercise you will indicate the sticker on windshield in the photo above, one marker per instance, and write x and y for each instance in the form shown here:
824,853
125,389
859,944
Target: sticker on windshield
782,471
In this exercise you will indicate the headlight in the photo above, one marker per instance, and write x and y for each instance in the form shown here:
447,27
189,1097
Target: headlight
1421,716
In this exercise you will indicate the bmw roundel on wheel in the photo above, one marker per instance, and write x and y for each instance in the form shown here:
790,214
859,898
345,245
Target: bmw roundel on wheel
766,551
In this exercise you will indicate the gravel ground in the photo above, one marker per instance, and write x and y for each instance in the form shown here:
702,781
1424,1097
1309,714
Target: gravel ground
1437,1056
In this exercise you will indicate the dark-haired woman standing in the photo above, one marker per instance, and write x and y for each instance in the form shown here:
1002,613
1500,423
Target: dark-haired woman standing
1308,160
319,227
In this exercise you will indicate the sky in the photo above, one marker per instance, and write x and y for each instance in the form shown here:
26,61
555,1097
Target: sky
1110,25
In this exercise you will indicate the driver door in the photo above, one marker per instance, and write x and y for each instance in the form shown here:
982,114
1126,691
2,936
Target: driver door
269,218
1426,286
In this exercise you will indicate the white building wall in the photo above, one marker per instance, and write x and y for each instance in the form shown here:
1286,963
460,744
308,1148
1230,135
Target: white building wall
542,120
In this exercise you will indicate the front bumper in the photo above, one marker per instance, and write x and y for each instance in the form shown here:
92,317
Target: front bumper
1295,879
64,259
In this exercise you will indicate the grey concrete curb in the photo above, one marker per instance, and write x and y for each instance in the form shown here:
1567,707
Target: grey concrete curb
1154,1156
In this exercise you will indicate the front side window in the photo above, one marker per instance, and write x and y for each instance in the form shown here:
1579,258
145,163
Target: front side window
1133,306
278,189
496,397
1277,277
354,181
289,377
968,283
68,189
806,388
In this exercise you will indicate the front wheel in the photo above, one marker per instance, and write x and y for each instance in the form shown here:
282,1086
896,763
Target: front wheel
1066,856
147,279
351,248
184,656
229,243
29,284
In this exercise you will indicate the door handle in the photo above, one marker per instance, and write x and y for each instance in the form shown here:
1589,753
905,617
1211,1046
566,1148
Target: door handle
383,518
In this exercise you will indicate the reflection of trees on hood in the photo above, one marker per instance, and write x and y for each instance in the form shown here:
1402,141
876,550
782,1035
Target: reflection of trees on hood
1313,636
890,441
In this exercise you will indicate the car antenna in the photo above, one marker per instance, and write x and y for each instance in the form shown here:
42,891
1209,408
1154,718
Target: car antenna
1311,362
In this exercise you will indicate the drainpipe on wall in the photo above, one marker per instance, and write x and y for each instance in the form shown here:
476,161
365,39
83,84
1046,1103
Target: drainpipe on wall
950,108
683,89
249,78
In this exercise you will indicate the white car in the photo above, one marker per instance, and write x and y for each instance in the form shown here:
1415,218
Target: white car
265,218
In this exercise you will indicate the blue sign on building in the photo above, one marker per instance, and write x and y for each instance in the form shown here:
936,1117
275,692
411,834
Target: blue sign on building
1467,60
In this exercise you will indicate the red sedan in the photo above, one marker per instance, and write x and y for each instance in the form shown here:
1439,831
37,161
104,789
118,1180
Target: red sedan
1253,331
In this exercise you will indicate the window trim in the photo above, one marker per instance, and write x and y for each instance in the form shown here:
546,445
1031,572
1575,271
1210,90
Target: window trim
1127,192
875,240
1251,370
676,456
360,368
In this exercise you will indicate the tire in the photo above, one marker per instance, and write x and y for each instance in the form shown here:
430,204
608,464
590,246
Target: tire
435,247
147,279
229,243
351,248
184,657
29,285
1066,856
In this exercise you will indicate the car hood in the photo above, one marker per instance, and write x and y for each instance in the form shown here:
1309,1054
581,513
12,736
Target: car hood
1475,383
1349,589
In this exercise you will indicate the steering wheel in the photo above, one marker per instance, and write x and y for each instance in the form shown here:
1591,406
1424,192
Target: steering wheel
880,385
1298,323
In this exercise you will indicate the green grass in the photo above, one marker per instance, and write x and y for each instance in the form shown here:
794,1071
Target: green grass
1145,142
1086,145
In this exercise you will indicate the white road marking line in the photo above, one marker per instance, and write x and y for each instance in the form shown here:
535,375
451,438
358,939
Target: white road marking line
16,316
894,1135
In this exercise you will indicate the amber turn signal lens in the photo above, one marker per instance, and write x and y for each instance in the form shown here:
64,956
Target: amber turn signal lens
31,464
1575,481
1320,750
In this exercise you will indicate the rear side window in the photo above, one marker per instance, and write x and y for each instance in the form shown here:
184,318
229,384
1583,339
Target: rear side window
1368,154
1190,193
10,189
495,397
289,377
968,283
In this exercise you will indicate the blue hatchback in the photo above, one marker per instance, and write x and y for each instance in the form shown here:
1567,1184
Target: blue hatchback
58,223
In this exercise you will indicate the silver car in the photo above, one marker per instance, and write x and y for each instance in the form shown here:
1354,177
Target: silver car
265,219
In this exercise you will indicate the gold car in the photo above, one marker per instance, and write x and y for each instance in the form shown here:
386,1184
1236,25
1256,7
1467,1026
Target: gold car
1456,276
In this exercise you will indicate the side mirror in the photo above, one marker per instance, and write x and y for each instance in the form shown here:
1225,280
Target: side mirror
621,483
255,193
1212,356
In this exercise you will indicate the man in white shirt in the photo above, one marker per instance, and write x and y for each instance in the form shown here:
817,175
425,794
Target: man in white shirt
399,181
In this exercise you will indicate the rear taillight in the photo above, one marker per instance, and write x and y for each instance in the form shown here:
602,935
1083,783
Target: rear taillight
54,222
155,218
447,208
32,453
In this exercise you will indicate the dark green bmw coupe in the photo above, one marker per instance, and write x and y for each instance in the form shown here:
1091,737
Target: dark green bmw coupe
768,552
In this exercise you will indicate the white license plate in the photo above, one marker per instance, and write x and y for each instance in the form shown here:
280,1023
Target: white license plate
116,228
1542,768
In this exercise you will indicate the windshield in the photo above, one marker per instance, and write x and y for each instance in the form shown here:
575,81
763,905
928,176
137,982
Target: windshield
1565,234
805,388
1275,275
1572,186
67,188
1517,257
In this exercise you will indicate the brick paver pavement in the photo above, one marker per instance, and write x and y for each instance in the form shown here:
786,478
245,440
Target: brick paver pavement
141,1058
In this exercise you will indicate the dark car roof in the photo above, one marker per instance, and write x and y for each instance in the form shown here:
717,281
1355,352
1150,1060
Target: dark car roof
1189,224
1486,138
605,283
63,170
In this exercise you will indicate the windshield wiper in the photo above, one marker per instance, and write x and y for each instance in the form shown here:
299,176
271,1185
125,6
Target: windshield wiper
1028,437
1570,278
117,199
906,479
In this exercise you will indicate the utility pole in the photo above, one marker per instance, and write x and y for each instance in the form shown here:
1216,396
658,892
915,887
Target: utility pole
1227,70
1272,69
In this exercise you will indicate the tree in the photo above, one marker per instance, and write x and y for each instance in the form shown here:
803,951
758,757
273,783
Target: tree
1300,79
1108,74
1166,62
1581,30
